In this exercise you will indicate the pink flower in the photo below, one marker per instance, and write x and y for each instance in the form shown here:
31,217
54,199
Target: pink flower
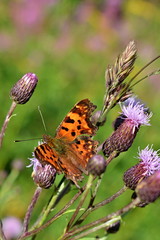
126,126
12,227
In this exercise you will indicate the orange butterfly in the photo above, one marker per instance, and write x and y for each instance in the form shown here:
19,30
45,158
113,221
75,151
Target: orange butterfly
72,146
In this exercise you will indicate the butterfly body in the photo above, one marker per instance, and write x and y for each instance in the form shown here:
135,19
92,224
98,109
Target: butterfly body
72,146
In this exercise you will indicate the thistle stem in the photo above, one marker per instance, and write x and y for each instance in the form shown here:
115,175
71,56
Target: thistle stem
91,225
52,203
92,230
50,221
100,204
111,157
30,209
6,121
2,236
84,195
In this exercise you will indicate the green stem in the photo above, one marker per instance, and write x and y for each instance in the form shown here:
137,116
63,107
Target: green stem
92,230
101,204
48,208
6,121
84,195
7,185
50,221
118,213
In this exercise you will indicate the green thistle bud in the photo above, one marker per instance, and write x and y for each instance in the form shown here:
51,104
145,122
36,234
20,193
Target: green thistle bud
24,88
96,165
148,190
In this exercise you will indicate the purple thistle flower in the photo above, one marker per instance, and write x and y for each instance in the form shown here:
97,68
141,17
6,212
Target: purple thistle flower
12,227
136,113
148,165
43,174
150,160
133,115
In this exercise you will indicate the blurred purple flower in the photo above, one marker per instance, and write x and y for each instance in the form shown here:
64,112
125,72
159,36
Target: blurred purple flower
12,227
113,10
28,15
18,164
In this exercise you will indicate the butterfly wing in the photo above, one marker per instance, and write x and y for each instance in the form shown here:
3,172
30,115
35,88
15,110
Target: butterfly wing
74,163
85,148
45,154
69,152
77,121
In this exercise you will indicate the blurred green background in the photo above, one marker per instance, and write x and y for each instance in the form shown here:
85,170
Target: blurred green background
68,45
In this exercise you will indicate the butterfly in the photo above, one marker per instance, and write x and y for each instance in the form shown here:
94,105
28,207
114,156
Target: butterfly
71,148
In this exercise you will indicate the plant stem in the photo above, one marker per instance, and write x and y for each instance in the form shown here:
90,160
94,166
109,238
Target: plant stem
30,209
141,70
84,195
92,230
94,194
7,185
49,207
2,236
100,204
55,217
6,121
111,157
102,220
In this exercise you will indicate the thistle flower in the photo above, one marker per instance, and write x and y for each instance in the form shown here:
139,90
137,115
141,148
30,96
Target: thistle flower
43,175
133,116
149,189
12,227
24,88
96,165
148,165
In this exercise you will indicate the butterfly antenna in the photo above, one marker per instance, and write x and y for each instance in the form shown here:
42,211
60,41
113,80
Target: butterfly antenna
43,122
29,139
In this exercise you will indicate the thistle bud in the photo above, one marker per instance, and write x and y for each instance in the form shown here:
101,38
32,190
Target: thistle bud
134,175
96,165
148,165
43,175
24,88
149,189
133,116
114,227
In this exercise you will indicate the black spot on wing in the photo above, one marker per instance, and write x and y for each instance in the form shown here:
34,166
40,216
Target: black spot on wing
66,129
73,133
69,120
